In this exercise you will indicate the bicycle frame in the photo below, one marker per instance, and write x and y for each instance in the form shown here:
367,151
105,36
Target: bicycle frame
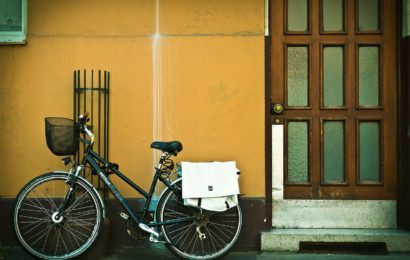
59,214
94,159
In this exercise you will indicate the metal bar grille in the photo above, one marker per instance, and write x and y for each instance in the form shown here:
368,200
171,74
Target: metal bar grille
96,102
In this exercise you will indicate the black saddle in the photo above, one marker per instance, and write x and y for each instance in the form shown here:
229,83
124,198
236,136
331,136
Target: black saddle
173,147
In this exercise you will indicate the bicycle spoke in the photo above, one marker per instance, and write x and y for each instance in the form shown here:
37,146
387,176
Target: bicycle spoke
58,237
70,239
82,213
41,235
39,222
179,229
193,242
210,238
81,210
174,213
45,241
39,206
76,233
183,235
84,225
76,202
221,231
181,206
36,218
47,197
71,234
48,213
30,210
214,239
224,227
217,237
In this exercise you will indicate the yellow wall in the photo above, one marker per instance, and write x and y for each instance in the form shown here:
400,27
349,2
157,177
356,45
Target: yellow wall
190,70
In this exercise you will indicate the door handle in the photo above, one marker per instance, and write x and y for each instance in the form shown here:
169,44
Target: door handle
277,108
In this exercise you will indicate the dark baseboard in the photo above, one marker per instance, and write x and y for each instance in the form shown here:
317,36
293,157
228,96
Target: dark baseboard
254,223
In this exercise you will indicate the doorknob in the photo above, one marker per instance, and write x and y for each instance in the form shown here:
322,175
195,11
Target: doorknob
277,108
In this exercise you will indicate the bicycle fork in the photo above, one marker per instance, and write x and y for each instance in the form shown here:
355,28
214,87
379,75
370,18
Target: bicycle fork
57,216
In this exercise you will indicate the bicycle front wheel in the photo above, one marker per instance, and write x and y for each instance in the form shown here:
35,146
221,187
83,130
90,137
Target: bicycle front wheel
209,235
45,233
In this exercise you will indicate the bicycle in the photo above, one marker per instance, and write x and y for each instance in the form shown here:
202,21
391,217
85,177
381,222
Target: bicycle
58,215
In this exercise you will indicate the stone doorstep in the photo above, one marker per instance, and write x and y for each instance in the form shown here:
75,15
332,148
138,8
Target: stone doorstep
334,214
289,239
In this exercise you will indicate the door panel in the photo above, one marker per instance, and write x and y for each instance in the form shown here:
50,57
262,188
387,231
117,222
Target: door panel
334,70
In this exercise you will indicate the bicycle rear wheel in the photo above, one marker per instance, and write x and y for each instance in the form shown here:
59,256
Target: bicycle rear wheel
221,229
45,234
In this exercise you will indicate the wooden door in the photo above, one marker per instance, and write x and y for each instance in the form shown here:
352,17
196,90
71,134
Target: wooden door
334,73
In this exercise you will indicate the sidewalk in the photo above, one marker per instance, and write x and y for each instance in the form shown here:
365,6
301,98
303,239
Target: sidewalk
164,254
161,253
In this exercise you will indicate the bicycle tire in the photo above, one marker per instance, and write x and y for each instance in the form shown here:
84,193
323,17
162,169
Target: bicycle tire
222,229
41,232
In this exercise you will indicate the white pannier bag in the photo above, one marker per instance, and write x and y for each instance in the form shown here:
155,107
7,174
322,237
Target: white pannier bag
210,185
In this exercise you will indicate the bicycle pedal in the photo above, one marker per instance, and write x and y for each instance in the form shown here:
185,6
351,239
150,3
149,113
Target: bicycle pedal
124,216
152,239
201,235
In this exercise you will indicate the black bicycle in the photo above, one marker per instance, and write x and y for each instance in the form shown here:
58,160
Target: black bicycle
59,214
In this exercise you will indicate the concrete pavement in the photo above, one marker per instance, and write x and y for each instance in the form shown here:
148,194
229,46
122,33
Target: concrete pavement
159,252
164,254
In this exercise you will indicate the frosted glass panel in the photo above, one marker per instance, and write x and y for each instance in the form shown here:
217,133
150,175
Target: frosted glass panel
333,151
333,15
368,15
298,152
369,151
298,16
10,15
333,82
297,78
369,76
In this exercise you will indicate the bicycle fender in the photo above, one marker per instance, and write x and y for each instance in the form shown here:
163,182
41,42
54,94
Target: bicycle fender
162,193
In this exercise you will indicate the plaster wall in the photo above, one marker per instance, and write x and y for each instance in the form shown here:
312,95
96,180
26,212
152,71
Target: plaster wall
180,70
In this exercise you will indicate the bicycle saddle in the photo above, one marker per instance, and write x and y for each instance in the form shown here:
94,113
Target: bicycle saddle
173,147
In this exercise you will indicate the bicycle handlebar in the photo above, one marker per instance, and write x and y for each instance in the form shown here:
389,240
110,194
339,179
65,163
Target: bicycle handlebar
83,119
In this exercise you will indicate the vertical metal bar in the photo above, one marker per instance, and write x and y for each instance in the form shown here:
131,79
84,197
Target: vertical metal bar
78,106
99,112
74,97
105,114
107,122
108,116
78,92
92,108
85,92
85,105
99,119
75,104
92,99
